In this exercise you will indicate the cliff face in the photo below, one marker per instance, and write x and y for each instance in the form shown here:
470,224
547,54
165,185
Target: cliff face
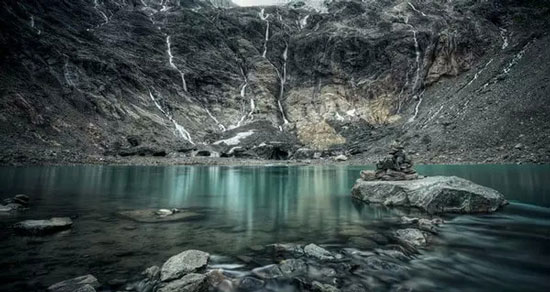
130,76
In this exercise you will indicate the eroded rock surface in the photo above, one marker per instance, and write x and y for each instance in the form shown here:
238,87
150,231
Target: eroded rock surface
437,194
184,263
85,283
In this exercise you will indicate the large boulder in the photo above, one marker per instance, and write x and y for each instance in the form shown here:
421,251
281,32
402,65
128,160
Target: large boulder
183,263
188,283
437,194
82,283
38,227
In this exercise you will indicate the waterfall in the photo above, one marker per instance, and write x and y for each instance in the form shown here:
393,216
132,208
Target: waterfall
503,32
416,10
283,81
417,59
415,111
516,59
179,128
220,125
303,22
171,61
479,72
32,21
264,17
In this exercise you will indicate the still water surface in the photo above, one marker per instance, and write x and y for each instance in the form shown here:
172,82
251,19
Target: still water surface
245,207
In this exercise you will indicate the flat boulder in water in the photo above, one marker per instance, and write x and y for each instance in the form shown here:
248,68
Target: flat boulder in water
436,194
159,215
81,284
37,227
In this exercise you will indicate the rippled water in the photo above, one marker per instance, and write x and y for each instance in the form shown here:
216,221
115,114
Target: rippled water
247,207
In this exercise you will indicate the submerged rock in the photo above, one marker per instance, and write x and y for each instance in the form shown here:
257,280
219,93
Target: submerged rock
437,194
37,227
86,283
188,283
159,215
184,263
268,272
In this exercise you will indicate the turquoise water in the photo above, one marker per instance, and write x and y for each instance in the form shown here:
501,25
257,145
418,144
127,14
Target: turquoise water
244,207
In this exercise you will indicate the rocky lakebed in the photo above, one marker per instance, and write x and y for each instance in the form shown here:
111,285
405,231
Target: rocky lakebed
365,260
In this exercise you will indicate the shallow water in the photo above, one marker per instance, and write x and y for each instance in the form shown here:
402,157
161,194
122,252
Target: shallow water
247,207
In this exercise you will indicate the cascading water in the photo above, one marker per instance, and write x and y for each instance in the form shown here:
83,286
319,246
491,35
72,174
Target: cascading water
220,125
417,59
171,61
416,10
96,7
504,37
282,78
303,22
179,128
264,17
479,73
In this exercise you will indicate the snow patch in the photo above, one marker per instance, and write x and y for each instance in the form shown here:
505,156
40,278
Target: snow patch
235,140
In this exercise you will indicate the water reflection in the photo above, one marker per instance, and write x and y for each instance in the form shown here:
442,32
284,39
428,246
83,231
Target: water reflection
248,206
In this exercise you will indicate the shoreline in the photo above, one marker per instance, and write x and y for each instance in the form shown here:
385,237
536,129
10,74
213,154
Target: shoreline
229,161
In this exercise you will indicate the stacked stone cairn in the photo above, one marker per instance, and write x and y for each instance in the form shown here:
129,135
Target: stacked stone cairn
395,166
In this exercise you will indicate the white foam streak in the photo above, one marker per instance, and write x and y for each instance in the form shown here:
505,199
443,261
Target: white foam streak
179,128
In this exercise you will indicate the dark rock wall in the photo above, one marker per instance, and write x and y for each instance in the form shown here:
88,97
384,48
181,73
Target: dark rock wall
87,75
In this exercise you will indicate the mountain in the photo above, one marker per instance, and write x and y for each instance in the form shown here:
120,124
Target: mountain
459,80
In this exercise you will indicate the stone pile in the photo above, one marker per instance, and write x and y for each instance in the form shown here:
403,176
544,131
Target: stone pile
18,202
395,166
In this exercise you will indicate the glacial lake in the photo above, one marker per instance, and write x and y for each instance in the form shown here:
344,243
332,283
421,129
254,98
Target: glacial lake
245,208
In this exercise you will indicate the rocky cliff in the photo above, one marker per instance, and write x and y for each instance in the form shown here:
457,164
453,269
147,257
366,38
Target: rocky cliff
456,80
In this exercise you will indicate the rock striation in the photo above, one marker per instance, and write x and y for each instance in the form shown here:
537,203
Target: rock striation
437,194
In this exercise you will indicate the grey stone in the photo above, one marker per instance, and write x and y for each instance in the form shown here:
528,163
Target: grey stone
189,283
268,272
293,267
159,215
437,194
250,284
37,227
341,157
152,273
85,283
320,287
318,252
411,236
184,263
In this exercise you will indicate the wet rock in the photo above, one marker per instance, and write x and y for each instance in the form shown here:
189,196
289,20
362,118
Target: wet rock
411,236
188,283
293,267
85,283
215,277
362,243
39,227
437,194
396,254
290,248
320,287
378,264
184,263
268,272
152,273
250,284
159,215
21,199
318,252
